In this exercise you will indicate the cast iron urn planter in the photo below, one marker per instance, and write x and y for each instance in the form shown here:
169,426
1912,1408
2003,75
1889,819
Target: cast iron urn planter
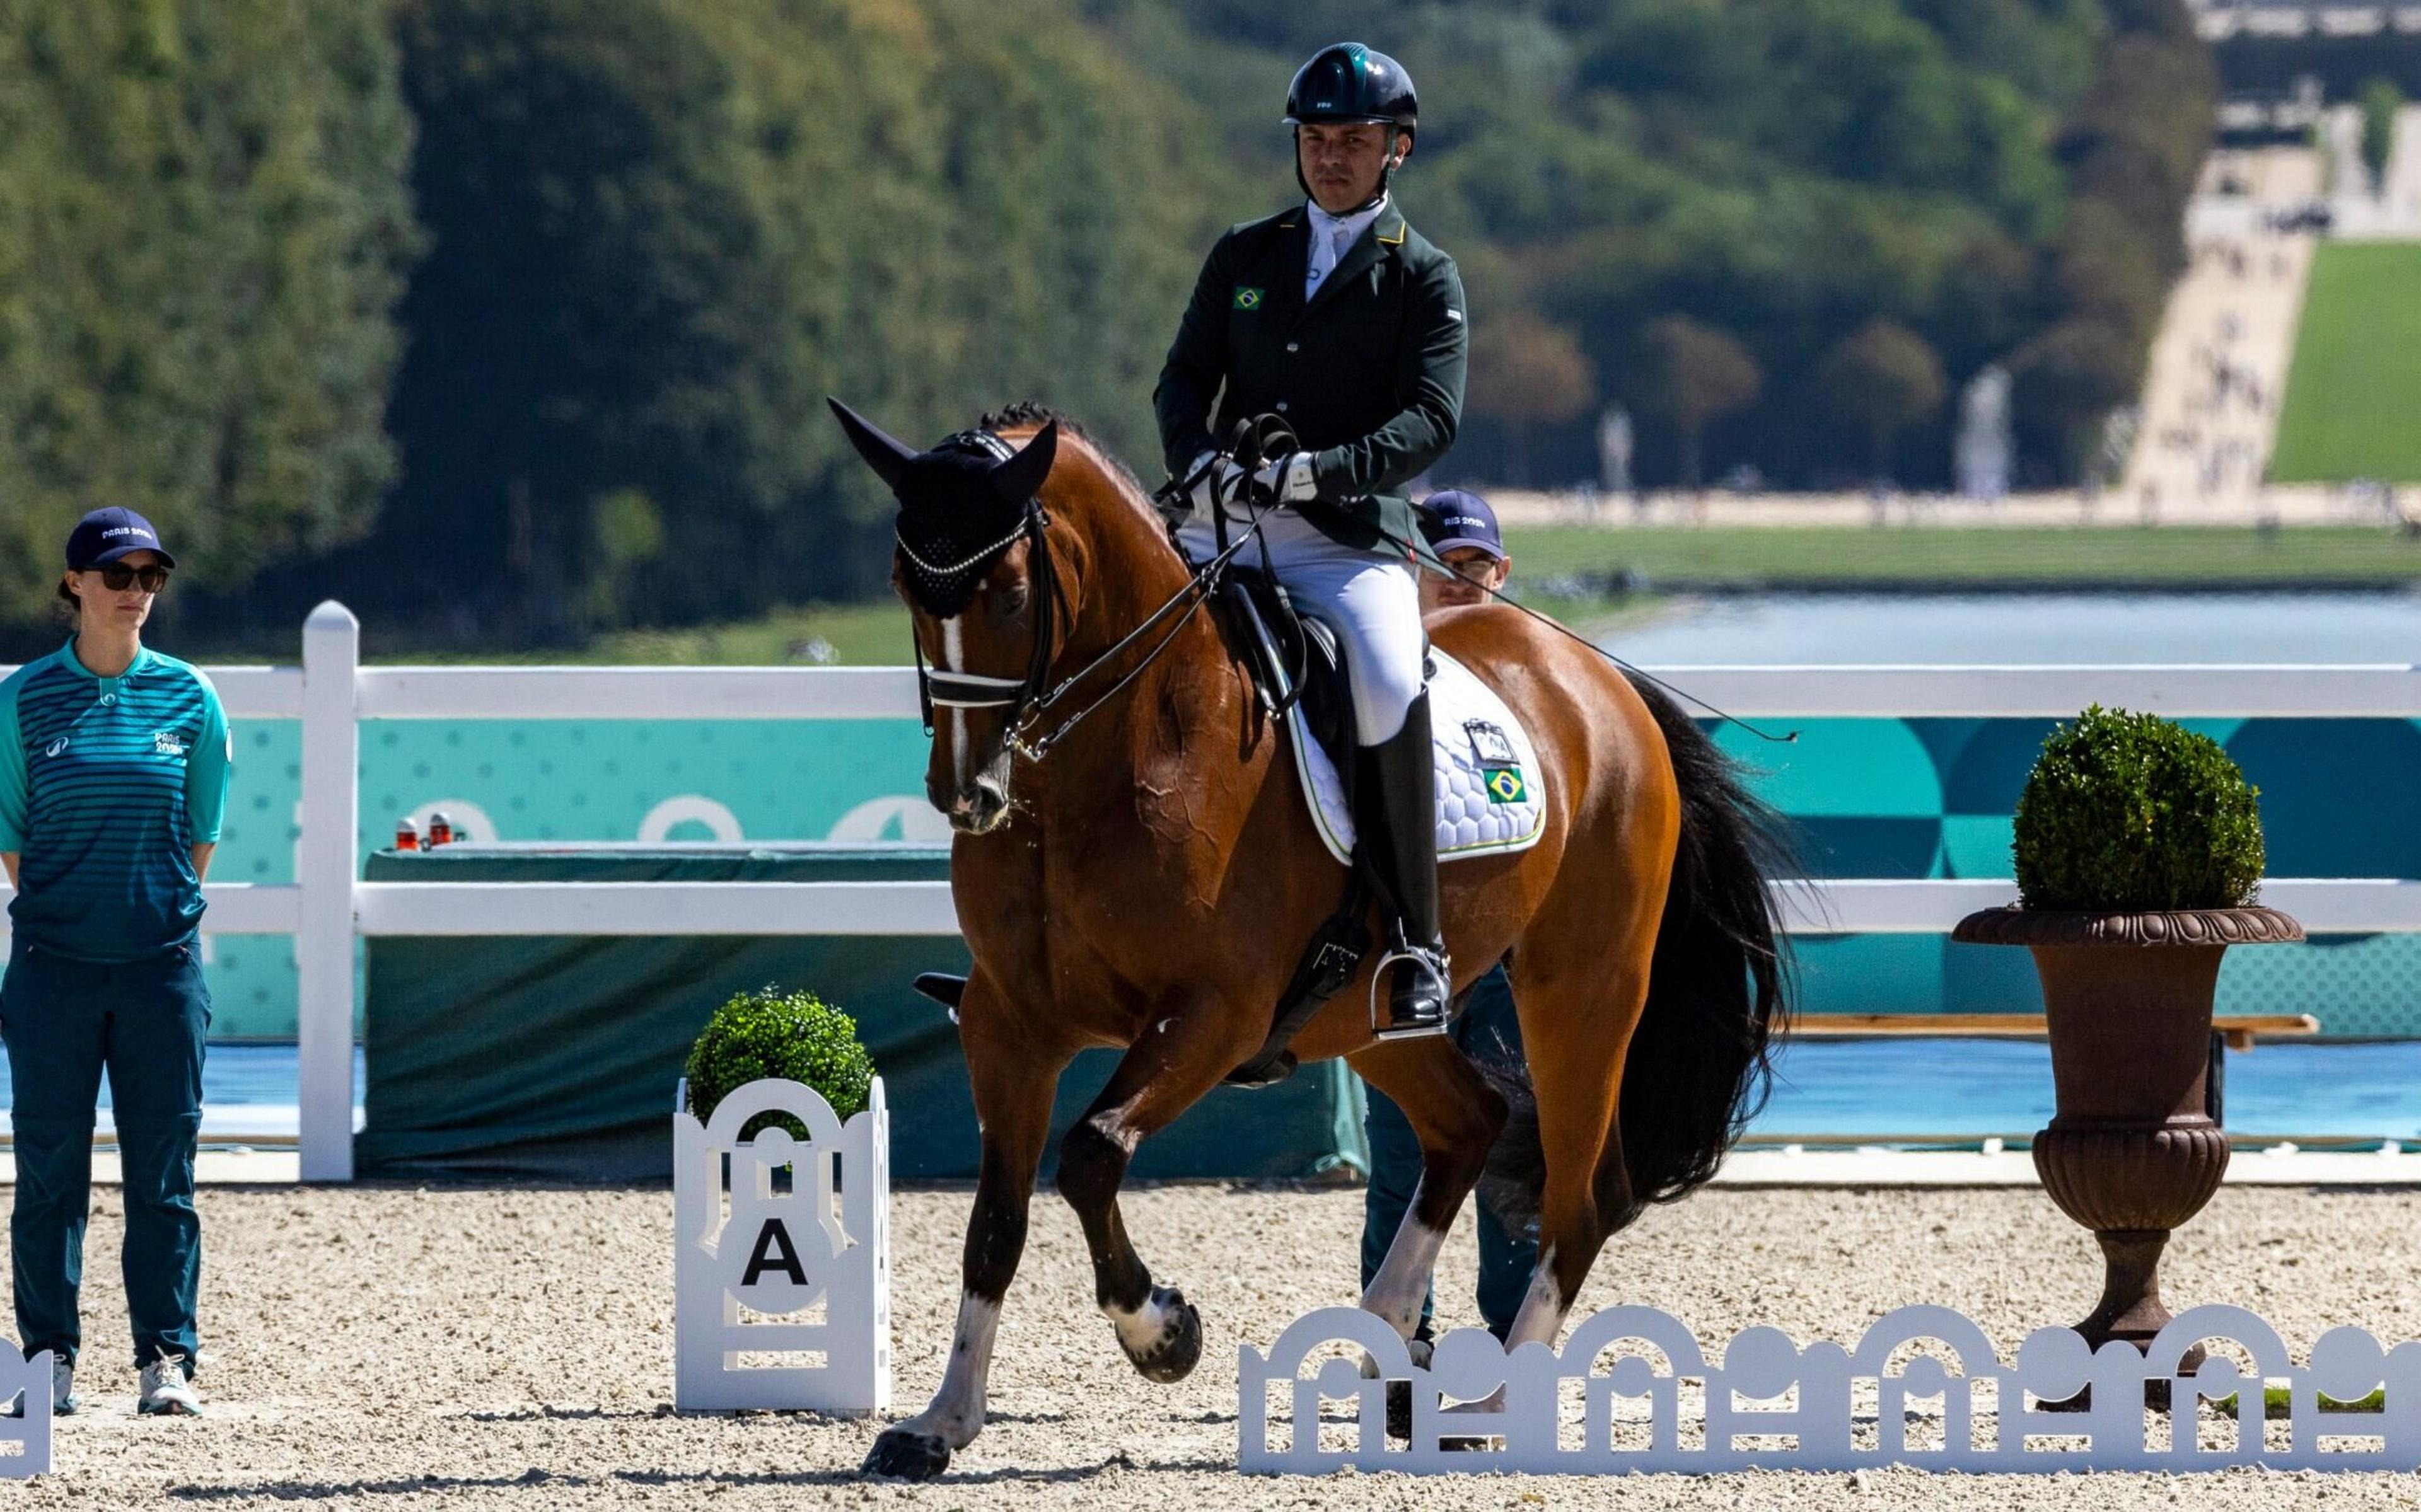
2132,1151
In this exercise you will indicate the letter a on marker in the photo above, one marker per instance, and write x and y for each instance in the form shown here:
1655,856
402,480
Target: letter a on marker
775,1239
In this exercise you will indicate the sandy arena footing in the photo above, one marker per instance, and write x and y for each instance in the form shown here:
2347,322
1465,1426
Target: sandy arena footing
506,1347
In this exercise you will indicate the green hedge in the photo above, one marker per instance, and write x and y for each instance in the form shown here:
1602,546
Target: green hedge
768,1032
2133,812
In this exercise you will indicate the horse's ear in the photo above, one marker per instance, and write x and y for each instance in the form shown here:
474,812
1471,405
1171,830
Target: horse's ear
888,457
1020,476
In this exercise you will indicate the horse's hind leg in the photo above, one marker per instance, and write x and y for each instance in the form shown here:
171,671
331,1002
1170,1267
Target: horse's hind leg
1013,1082
1579,1004
1457,1115
1181,1058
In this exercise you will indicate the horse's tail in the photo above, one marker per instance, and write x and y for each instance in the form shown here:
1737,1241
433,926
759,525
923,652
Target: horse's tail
1698,1067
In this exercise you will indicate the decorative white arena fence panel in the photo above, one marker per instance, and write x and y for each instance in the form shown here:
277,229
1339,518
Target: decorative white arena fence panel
328,908
781,1290
25,1392
1632,1390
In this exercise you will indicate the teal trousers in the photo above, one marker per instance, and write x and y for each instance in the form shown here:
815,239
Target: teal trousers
66,1022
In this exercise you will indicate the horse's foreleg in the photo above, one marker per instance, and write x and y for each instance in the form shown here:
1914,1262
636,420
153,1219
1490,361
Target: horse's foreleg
1013,1084
1179,1058
1457,1115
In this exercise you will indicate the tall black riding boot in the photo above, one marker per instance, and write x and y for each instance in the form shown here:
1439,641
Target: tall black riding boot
1403,851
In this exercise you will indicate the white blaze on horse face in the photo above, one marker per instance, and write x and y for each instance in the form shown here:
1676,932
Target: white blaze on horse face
954,654
1402,1279
956,1414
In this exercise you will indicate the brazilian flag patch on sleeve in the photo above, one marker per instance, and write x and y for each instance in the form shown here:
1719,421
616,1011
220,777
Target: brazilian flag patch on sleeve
1505,785
1247,298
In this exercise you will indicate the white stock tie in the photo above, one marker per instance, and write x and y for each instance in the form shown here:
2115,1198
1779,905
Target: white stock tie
1339,238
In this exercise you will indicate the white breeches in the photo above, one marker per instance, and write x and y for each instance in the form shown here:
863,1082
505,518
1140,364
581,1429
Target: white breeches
1373,599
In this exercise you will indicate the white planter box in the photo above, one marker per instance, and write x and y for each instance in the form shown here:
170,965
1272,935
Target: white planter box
782,1300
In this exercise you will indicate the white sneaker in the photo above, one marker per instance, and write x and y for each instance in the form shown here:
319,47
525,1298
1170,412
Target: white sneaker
63,1402
166,1390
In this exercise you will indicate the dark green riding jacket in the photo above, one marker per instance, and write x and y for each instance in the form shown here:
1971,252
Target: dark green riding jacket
1369,373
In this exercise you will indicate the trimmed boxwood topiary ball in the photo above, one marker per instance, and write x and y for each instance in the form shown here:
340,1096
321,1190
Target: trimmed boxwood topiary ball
768,1032
2134,813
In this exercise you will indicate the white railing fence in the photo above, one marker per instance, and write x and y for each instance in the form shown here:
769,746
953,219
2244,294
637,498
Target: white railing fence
328,907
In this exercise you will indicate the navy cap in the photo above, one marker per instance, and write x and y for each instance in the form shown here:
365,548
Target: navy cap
103,536
1455,518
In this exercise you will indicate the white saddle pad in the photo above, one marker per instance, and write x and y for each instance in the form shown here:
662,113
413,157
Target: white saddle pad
1492,795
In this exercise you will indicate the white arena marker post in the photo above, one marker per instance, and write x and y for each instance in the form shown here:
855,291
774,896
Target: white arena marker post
327,864
782,1274
26,1439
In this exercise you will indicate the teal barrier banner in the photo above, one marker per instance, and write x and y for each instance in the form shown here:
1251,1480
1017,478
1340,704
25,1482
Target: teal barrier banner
1873,796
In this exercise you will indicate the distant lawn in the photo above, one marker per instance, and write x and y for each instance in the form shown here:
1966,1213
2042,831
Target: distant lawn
1666,555
856,634
2353,394
1560,570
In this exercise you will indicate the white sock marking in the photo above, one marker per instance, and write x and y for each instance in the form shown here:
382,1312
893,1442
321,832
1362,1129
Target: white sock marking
1402,1279
956,1414
1542,1309
1143,1327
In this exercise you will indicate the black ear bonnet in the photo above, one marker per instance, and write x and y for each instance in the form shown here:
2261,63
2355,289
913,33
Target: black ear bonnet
961,503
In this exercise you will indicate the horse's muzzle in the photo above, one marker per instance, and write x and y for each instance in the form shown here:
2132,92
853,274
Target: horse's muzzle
978,808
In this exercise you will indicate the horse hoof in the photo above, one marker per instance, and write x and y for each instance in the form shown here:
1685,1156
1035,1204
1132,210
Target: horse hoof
1399,1410
901,1455
1172,1356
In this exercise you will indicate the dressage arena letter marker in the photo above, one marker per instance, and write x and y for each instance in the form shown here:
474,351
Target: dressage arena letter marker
756,1260
1633,1390
25,1440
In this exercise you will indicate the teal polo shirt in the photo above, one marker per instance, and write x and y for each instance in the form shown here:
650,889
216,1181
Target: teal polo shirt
106,784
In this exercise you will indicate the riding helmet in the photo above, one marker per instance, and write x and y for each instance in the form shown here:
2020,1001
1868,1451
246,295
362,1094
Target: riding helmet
1348,82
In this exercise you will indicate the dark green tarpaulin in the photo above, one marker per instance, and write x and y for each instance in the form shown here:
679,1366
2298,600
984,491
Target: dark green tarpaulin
557,1056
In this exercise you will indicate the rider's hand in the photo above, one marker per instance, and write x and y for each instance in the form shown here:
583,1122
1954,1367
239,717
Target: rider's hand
1192,502
1212,478
1286,479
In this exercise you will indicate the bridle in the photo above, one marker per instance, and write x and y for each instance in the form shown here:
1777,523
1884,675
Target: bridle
1032,699
967,690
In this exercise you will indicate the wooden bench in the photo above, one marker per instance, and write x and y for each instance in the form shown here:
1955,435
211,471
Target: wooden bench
2238,1031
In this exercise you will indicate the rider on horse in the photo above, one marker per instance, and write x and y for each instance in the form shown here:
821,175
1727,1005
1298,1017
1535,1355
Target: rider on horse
1342,320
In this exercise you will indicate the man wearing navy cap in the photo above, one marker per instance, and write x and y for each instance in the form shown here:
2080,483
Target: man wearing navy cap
1462,529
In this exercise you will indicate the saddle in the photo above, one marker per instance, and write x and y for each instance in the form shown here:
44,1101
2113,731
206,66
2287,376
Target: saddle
1298,669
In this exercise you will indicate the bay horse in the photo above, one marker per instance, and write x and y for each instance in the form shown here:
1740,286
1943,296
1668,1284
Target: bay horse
1149,884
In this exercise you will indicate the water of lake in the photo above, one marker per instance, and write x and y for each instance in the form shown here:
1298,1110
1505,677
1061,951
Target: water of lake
1984,629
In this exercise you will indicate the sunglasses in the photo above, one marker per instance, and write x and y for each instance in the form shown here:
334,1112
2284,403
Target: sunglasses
118,577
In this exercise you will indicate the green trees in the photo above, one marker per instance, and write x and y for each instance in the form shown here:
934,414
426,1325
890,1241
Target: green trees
663,232
645,238
1525,374
1880,379
1692,376
2381,101
2005,179
203,231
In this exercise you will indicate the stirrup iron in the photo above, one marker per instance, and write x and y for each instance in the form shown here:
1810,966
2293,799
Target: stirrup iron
1384,1026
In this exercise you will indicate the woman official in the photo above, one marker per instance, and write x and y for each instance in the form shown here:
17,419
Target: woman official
114,763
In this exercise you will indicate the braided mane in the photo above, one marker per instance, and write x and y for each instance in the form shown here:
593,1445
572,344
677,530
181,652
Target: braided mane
1033,414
